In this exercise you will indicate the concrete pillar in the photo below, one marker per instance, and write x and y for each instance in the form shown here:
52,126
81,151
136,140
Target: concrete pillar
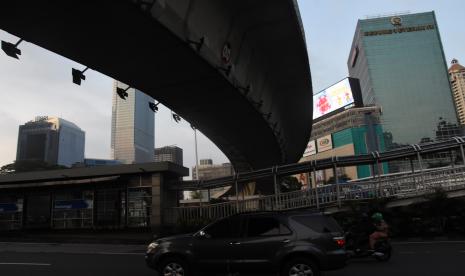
336,182
157,203
317,197
276,186
462,154
236,186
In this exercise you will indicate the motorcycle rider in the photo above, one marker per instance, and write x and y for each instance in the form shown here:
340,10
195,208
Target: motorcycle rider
381,231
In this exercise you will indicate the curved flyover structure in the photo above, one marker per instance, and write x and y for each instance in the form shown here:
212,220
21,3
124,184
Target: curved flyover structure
238,70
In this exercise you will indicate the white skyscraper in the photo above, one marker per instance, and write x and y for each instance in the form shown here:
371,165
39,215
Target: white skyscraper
132,127
457,80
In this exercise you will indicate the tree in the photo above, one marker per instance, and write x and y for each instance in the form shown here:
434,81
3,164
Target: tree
437,209
6,169
196,194
289,184
29,166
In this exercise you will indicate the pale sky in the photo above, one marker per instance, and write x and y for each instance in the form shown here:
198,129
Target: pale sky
40,82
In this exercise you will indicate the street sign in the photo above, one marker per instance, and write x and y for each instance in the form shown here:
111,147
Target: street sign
8,207
73,204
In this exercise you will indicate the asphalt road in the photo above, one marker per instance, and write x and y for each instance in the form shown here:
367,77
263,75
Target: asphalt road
436,258
429,258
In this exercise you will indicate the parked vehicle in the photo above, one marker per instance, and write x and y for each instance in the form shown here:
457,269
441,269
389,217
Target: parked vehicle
291,243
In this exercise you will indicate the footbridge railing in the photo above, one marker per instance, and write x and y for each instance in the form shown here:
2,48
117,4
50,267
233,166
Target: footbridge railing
403,186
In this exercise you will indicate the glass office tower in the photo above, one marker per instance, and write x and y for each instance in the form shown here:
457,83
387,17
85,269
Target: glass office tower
132,127
401,66
169,154
52,140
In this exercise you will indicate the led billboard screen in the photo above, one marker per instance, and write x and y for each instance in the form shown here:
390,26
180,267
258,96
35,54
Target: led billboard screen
337,96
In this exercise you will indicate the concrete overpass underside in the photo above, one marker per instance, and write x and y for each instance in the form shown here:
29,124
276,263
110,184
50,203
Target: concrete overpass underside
247,86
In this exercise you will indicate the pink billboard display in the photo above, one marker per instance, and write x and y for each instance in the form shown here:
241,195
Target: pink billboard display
333,98
311,148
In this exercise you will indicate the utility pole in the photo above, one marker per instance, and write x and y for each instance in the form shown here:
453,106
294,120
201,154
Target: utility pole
197,167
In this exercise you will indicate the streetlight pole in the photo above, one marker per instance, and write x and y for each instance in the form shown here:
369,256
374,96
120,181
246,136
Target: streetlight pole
196,155
197,166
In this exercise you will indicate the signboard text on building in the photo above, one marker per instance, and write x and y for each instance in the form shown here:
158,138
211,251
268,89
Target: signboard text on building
400,30
73,204
8,207
311,148
324,143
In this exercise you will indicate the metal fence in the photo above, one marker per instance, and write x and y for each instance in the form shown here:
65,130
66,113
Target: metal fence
397,186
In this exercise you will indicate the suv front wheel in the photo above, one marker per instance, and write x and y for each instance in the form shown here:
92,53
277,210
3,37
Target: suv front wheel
173,266
299,267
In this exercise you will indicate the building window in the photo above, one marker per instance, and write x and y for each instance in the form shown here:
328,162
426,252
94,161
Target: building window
139,204
73,209
354,56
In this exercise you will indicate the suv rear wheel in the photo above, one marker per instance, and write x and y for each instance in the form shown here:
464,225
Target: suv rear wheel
300,267
173,266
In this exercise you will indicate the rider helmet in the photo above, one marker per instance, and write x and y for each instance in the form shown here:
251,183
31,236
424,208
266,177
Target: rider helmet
377,217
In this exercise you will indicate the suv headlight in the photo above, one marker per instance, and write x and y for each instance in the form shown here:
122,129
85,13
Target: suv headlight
152,247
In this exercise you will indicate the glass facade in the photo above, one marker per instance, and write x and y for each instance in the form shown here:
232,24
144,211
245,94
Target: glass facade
71,144
401,66
354,131
52,140
90,162
169,154
132,128
11,211
72,209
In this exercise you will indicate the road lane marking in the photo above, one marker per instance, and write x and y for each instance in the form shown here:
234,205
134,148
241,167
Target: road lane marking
116,253
427,242
80,252
33,264
30,243
407,252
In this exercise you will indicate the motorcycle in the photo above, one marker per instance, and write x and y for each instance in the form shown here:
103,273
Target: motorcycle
357,246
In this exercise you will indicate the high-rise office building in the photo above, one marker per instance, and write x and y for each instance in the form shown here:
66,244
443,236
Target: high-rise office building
208,170
354,131
132,127
401,66
169,154
457,80
52,140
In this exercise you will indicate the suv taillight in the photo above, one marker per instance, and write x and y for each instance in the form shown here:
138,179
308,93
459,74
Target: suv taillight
340,241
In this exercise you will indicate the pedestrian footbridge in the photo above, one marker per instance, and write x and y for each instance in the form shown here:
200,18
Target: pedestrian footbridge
236,70
398,189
